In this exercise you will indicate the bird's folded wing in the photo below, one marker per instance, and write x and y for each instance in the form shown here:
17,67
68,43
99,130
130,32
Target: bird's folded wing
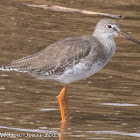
55,58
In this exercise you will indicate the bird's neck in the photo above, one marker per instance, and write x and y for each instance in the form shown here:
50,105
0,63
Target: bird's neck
108,42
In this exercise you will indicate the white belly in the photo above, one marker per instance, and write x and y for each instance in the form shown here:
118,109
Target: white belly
79,72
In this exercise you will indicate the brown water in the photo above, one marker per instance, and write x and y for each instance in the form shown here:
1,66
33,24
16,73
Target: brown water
104,106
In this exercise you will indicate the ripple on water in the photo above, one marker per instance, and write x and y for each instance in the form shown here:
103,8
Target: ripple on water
48,109
119,104
4,75
96,138
115,133
2,88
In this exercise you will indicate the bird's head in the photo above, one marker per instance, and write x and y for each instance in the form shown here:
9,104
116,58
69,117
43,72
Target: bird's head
109,28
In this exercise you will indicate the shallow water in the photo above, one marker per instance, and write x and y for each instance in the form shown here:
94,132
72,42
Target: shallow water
104,106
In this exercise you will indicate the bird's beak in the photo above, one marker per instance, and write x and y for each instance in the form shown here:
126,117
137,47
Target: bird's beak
121,34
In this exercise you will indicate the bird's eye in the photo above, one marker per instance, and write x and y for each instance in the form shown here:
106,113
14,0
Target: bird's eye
109,26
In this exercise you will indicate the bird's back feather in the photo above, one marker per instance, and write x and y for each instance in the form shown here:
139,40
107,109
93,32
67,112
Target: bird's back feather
54,58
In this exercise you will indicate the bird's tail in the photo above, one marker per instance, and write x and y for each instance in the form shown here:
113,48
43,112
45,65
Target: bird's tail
5,68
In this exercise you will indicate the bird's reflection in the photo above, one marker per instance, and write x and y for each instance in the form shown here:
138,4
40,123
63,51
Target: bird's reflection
63,130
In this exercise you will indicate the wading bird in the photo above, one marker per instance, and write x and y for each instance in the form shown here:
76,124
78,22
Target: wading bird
72,59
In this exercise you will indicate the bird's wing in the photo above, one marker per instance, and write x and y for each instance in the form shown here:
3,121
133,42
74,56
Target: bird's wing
55,58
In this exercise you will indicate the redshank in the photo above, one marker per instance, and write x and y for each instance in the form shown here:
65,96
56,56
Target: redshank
72,59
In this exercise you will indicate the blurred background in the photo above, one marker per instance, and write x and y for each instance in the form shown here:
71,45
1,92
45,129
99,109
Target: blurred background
104,106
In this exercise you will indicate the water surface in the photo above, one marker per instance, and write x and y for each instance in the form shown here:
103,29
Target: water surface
104,106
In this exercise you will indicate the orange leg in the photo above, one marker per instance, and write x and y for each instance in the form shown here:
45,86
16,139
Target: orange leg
66,107
63,99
